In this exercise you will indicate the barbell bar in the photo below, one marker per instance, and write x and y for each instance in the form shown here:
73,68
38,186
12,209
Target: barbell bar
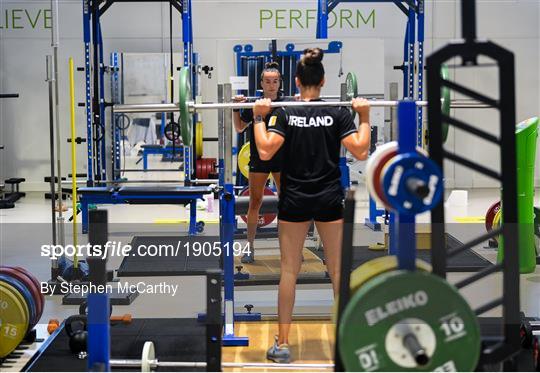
169,108
148,362
134,363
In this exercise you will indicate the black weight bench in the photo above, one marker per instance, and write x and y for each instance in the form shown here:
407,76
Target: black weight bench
9,198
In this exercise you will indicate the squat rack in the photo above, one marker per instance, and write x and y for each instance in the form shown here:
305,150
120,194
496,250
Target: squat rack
414,10
468,50
95,70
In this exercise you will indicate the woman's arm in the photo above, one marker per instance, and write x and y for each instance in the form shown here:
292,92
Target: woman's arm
268,143
359,142
239,124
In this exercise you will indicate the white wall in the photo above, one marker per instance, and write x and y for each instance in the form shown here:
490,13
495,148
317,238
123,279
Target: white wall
144,27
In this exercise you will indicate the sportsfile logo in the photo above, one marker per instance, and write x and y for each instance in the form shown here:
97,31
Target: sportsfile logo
323,121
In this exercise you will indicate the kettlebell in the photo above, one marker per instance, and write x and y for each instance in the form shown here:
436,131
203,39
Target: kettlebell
83,308
76,329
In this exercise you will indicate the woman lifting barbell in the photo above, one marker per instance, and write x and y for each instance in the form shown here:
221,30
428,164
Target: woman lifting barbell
310,139
259,170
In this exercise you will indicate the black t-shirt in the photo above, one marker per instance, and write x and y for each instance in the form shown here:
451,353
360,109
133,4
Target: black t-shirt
312,148
247,116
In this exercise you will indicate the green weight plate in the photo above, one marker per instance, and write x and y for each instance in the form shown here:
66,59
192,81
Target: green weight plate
352,89
445,95
14,319
186,119
399,306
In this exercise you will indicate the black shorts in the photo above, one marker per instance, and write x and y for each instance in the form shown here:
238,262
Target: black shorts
307,209
264,166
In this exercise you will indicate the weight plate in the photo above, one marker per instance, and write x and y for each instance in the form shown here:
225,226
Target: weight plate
199,138
172,132
14,320
265,219
399,177
445,105
30,285
198,169
352,89
243,160
375,167
122,121
20,298
497,220
148,356
36,283
375,161
394,308
378,178
377,266
213,162
186,118
205,169
209,162
490,215
28,298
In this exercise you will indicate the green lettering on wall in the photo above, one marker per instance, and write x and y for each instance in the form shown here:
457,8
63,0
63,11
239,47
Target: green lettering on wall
295,15
47,17
280,17
5,20
345,15
264,15
308,16
15,18
366,21
33,24
332,19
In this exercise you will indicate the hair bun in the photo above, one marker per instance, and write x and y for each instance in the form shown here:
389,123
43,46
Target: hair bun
272,65
313,56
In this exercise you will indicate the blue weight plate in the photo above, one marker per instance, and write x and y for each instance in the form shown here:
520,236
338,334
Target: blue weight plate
406,167
30,302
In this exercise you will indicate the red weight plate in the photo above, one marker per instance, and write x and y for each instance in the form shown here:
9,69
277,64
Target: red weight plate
29,284
36,283
265,219
208,167
378,177
205,168
198,169
212,166
490,215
